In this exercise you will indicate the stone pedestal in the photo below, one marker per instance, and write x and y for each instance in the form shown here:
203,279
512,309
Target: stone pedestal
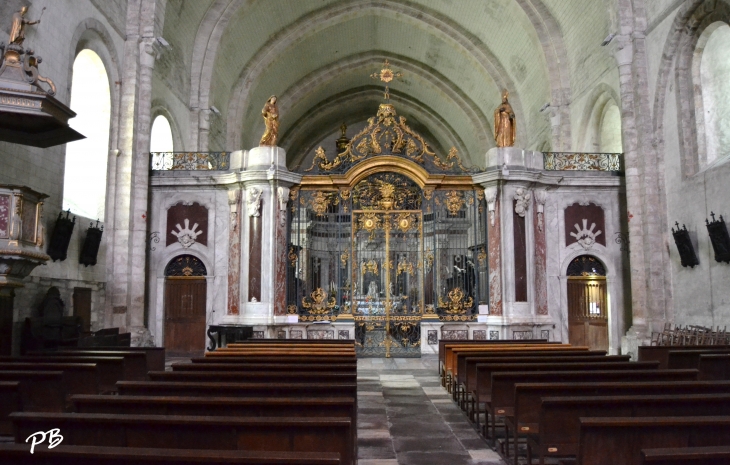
515,157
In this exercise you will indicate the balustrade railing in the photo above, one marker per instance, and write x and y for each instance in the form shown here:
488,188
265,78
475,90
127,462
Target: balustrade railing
190,161
575,161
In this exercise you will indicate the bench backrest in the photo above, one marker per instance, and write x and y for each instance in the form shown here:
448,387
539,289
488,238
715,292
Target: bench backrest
295,377
270,367
443,342
620,440
155,355
452,353
717,455
690,358
161,388
714,367
661,353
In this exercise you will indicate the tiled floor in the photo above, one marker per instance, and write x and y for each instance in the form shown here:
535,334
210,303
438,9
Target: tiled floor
405,417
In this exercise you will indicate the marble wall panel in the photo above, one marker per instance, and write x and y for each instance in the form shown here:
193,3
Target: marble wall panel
520,335
257,335
194,213
454,334
4,216
493,335
433,337
320,334
280,257
254,259
540,264
234,256
520,255
343,334
479,334
295,334
495,262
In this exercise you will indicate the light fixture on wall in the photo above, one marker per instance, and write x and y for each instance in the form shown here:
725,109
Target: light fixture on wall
719,238
685,247
544,107
608,39
163,42
215,111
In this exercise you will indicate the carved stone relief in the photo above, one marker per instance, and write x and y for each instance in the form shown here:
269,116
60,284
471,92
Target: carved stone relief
522,201
254,201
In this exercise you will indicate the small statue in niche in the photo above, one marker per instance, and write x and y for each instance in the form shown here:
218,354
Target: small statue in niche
17,28
504,123
271,120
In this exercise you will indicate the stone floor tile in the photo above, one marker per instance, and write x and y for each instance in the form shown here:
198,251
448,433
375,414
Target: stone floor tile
377,462
484,454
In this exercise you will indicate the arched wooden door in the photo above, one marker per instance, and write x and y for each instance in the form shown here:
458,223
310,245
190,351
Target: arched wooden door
587,303
185,297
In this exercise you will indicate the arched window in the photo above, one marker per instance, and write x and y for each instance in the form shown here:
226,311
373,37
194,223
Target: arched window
84,181
161,135
610,129
713,49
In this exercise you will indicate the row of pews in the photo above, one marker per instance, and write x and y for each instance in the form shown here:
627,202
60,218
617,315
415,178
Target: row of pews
259,402
585,407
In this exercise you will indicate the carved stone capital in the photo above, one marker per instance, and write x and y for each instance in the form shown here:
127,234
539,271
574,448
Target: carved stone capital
254,202
490,195
522,204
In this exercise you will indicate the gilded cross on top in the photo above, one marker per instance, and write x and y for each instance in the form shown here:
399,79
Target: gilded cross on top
386,75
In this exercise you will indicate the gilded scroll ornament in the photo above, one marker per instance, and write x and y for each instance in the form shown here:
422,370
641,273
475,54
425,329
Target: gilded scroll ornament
505,123
482,256
344,257
428,260
406,221
292,257
319,304
321,201
291,309
320,160
369,267
454,202
457,307
270,112
369,222
404,266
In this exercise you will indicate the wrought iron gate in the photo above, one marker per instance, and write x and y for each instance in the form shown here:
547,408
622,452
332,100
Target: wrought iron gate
387,276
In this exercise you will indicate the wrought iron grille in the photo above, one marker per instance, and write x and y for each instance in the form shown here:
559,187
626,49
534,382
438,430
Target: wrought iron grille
570,161
190,161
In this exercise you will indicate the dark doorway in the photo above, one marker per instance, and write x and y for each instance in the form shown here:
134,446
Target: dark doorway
185,300
587,303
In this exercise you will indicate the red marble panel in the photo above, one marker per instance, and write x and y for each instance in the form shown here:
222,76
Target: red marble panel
254,259
234,261
195,214
495,263
520,251
29,220
541,304
280,257
593,214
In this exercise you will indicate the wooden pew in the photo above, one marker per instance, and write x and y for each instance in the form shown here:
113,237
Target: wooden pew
690,358
611,441
155,355
280,359
712,455
135,363
18,454
452,353
448,360
78,378
484,391
270,367
714,367
528,396
335,345
559,424
443,342
501,400
229,376
43,391
323,434
661,353
469,372
157,388
238,353
109,369
11,400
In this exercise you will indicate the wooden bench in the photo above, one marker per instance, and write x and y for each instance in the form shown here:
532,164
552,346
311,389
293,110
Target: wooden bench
559,425
78,378
469,373
713,455
18,454
690,358
661,353
443,342
323,434
161,388
135,363
280,359
501,400
611,441
109,369
450,358
528,397
155,355
714,367
269,367
43,391
11,400
307,407
484,391
334,345
222,354
229,376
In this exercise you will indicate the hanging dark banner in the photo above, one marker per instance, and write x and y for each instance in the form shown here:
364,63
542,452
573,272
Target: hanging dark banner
58,245
684,245
90,249
719,238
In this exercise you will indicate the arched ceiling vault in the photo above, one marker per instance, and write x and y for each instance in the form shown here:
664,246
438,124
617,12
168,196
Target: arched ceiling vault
456,55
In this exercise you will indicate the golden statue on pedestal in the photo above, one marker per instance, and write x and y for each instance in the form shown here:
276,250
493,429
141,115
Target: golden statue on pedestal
505,123
17,28
271,120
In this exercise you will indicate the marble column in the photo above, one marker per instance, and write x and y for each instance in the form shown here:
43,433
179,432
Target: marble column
234,252
494,250
540,264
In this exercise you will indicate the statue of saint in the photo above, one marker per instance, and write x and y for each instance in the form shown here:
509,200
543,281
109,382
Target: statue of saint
271,121
373,290
504,123
17,29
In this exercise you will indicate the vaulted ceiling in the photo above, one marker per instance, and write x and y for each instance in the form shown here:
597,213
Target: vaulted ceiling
318,55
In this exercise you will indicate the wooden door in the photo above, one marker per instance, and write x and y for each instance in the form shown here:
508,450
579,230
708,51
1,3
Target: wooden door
588,312
185,315
82,306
